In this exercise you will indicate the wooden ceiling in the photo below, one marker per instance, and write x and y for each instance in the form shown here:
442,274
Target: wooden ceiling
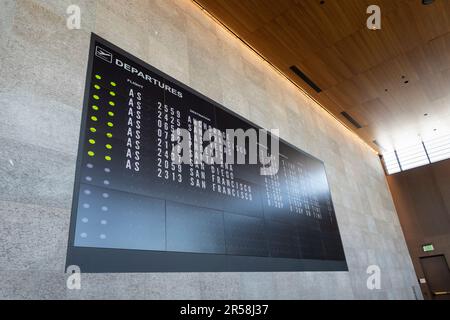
395,81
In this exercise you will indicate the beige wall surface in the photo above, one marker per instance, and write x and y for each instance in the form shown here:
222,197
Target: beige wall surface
43,67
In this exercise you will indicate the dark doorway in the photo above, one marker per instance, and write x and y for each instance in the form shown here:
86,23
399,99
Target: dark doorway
437,274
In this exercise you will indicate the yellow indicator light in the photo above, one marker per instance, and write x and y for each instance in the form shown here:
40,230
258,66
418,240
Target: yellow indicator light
91,153
112,103
108,158
94,118
93,130
97,87
111,114
96,97
113,84
108,146
110,124
92,141
95,108
112,93
109,135
97,77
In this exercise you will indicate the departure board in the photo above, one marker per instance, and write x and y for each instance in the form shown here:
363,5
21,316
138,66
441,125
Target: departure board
136,210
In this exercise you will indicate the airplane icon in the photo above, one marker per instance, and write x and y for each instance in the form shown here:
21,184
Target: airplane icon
103,54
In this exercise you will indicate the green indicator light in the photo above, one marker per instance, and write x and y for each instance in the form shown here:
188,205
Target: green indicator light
109,135
110,124
112,103
108,146
96,97
92,141
113,84
112,93
97,87
95,108
93,130
94,118
97,77
91,153
108,158
111,114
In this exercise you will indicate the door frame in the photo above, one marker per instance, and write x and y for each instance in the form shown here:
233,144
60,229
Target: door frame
423,269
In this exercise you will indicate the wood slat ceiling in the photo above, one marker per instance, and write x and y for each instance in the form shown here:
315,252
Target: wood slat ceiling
386,79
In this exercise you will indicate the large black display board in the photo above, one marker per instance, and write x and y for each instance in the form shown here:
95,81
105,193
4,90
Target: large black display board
135,211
